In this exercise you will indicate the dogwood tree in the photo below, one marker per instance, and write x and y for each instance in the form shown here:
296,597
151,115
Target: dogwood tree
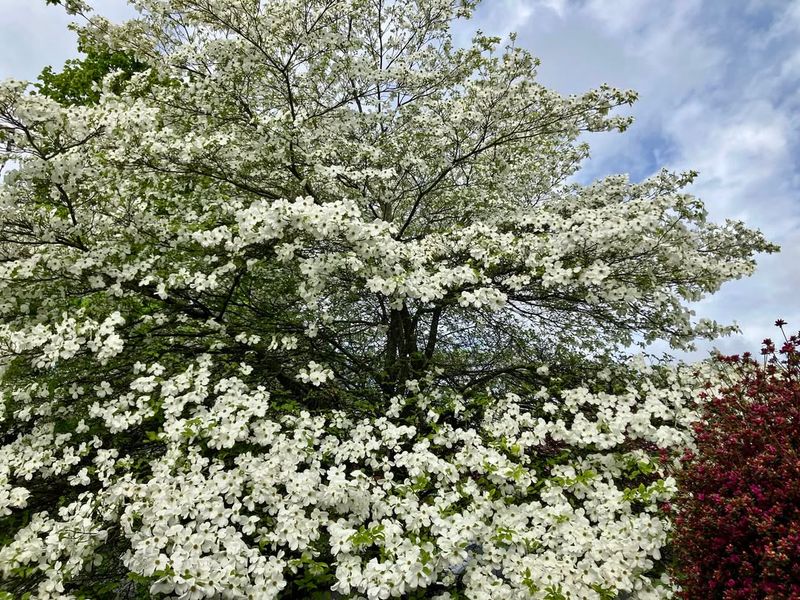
306,304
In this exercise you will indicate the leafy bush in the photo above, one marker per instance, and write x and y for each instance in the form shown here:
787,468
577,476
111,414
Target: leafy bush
738,524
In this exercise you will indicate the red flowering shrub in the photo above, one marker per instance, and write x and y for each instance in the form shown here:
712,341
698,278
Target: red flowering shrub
737,528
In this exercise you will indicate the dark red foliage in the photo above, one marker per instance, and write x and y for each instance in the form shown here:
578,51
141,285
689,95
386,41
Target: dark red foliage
737,529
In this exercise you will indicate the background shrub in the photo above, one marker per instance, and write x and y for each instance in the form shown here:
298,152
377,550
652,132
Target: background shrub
738,522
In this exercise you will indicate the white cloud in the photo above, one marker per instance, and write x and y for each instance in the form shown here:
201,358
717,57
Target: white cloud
559,7
733,148
34,35
622,17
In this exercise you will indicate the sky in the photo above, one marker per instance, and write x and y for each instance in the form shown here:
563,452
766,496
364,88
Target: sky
719,89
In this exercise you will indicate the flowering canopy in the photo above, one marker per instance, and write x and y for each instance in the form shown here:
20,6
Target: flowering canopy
306,303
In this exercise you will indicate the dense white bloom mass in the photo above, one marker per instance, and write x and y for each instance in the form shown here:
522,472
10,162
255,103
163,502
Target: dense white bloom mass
303,304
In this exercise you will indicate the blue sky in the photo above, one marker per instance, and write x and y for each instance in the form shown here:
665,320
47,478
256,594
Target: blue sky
719,87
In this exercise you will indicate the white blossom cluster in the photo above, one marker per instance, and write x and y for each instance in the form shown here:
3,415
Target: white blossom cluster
385,508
